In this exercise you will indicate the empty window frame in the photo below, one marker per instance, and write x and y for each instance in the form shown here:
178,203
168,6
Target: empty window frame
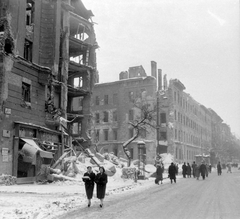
28,46
105,116
97,100
115,118
105,131
26,92
105,99
115,134
97,118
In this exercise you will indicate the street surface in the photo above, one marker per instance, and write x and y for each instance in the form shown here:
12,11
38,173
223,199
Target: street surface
216,197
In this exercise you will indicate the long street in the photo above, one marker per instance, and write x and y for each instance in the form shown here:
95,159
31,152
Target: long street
213,198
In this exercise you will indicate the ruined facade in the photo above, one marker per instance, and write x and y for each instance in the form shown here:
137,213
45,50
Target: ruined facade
47,63
113,108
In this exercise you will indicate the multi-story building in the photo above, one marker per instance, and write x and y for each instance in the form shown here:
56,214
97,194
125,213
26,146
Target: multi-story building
113,108
184,124
47,63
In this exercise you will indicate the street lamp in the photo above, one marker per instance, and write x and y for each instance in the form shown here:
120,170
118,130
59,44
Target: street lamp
141,158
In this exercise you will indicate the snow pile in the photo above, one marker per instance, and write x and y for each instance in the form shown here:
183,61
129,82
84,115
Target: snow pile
7,180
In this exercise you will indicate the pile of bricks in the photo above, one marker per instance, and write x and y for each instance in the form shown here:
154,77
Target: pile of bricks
8,180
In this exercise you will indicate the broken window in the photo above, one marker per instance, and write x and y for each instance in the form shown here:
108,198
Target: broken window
97,135
30,13
78,82
28,45
163,117
97,101
115,134
105,116
97,118
105,131
76,128
115,116
26,92
163,136
105,99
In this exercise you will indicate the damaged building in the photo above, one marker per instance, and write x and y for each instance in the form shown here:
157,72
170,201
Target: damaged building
47,72
113,108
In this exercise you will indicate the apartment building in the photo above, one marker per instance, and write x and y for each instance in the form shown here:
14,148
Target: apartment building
113,108
47,63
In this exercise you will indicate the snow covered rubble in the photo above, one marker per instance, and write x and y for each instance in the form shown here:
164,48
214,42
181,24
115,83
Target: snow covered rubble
51,199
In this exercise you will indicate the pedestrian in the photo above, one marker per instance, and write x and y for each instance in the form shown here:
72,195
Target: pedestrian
88,179
219,168
101,181
197,171
229,169
210,168
172,172
203,170
189,170
194,169
176,169
207,169
184,170
159,173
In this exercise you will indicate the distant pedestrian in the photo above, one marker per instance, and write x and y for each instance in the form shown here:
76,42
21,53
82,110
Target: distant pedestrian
203,170
189,170
101,181
197,171
210,168
176,169
229,168
194,169
184,170
172,172
219,168
88,179
159,173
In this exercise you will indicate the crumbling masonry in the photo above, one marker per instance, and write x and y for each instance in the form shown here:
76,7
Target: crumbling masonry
47,64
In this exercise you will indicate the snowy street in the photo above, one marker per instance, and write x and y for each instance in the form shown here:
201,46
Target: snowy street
213,198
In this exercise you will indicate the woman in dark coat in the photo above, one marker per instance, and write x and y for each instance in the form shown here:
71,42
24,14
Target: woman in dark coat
159,173
203,170
101,181
184,170
89,178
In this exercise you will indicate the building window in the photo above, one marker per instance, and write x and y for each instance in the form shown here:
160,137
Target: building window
76,128
78,82
115,116
176,134
97,135
163,136
30,12
105,99
28,45
130,132
175,96
131,153
131,115
175,115
26,92
163,118
105,116
97,100
115,151
97,117
115,134
115,99
105,131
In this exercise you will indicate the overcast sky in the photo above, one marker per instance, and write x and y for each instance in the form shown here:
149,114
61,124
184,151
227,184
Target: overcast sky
195,41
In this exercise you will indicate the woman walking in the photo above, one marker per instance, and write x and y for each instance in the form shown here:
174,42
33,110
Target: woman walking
159,173
89,178
101,181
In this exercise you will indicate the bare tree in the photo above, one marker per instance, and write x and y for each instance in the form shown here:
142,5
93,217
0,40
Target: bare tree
144,121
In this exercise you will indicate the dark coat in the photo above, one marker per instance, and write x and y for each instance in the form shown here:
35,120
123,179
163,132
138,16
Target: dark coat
89,184
184,169
159,173
194,165
172,171
203,169
219,168
189,170
101,181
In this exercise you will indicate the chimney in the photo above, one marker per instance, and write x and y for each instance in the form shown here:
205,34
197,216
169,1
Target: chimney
154,69
165,83
159,79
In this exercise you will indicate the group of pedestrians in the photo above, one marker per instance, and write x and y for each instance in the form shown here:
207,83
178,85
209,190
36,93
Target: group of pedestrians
101,179
196,170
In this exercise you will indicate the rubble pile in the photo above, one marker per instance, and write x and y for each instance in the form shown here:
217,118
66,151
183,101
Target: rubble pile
7,180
